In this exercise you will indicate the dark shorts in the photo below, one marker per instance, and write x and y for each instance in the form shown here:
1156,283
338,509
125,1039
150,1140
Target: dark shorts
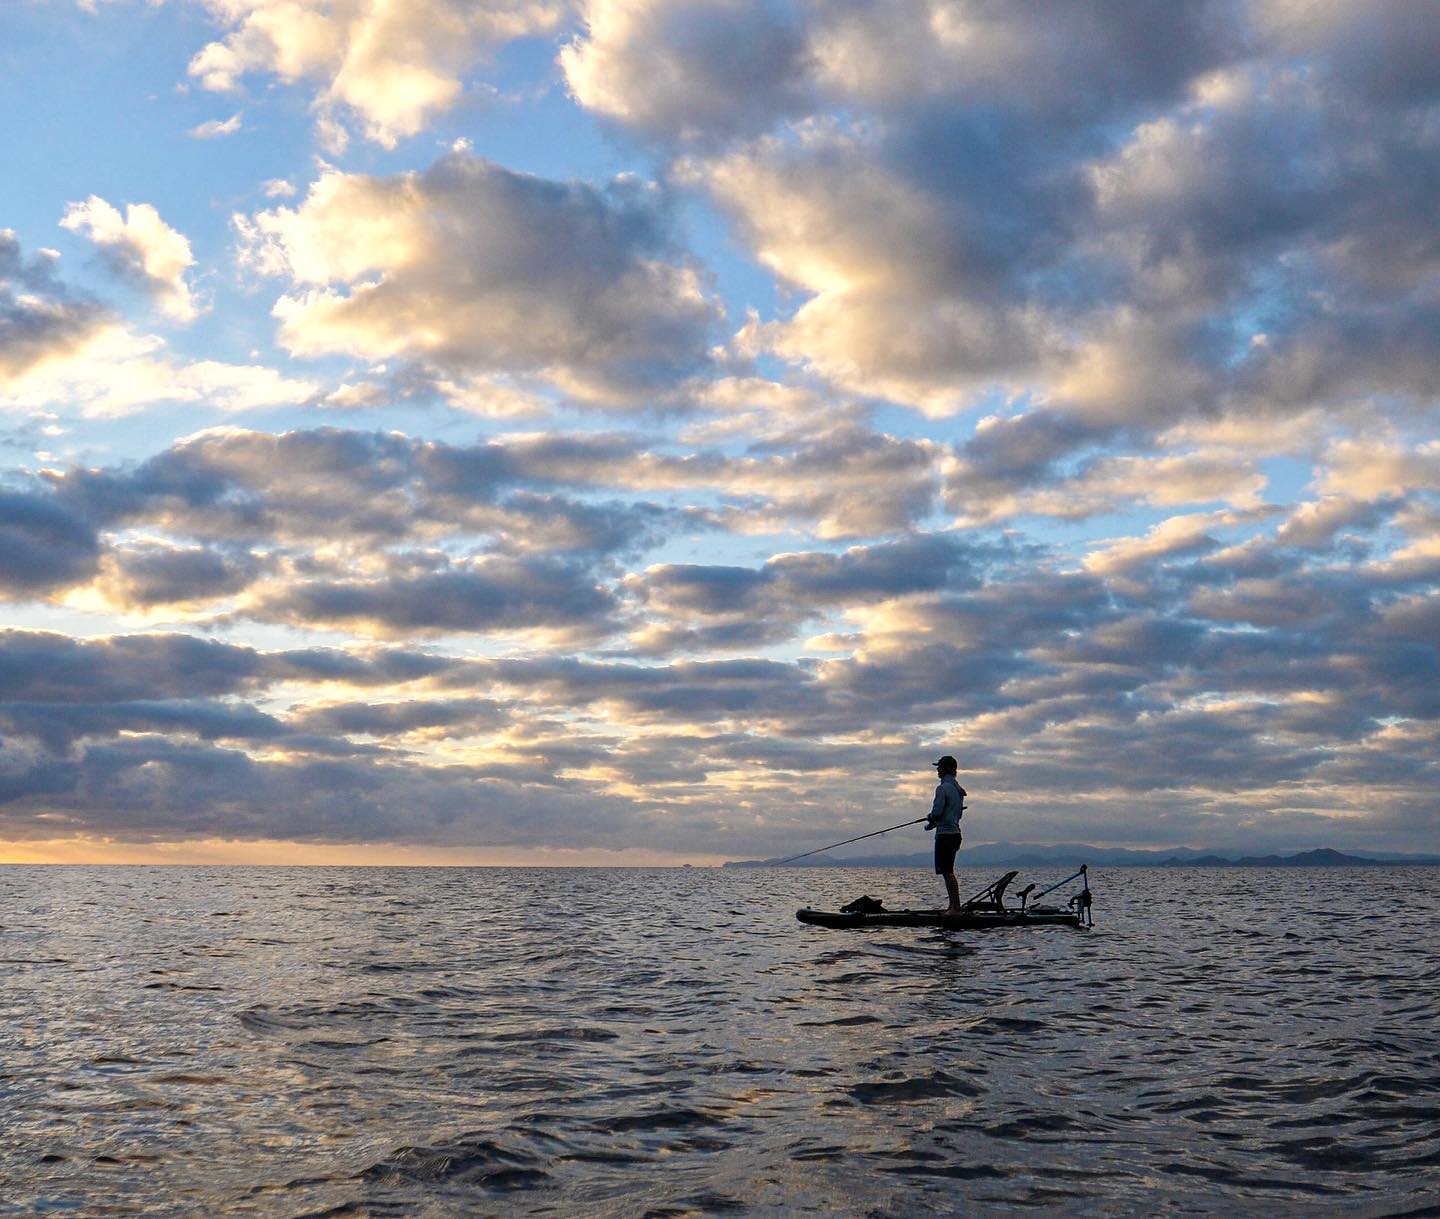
945,847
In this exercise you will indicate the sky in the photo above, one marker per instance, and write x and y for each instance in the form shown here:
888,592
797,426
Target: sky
649,431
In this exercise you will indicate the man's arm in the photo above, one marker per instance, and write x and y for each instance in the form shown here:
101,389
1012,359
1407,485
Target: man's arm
937,808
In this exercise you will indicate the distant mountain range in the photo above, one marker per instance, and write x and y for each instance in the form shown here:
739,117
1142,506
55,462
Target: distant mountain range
1073,854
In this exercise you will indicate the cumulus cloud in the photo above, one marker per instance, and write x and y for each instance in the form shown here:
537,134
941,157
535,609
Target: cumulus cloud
44,546
936,236
62,351
443,717
383,534
393,67
148,575
1055,465
1369,469
1314,524
1139,219
693,607
671,69
475,268
1178,535
141,246
1037,676
335,485
41,322
46,667
115,370
1069,65
551,600
899,304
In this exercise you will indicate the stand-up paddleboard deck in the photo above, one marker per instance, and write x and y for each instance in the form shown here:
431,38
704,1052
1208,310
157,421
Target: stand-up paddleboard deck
966,920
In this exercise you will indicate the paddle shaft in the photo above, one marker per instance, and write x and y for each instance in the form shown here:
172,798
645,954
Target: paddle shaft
857,838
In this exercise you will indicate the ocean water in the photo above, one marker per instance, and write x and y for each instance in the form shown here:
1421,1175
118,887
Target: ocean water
438,1042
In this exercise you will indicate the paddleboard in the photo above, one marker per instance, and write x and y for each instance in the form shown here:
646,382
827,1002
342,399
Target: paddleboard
1045,917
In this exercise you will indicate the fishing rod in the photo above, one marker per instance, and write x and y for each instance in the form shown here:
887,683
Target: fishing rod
875,834
1066,881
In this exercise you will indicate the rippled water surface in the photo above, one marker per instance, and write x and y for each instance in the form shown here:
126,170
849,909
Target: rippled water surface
410,1042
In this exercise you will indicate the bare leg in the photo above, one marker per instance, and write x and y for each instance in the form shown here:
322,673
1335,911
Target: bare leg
952,889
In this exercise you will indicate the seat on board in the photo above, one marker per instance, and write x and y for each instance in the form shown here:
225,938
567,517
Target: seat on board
992,898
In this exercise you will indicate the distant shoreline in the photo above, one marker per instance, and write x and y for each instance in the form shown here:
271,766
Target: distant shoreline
1034,855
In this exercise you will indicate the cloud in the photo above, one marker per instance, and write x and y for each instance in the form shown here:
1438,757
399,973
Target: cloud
523,490
558,601
1178,535
327,530
988,622
1384,50
193,757
694,607
939,234
1370,470
1050,464
142,247
142,576
1223,216
149,788
59,726
393,67
115,371
671,69
1039,678
843,482
41,322
46,667
900,304
44,547
61,351
329,486
1068,66
1314,524
215,128
430,717
477,269
1289,601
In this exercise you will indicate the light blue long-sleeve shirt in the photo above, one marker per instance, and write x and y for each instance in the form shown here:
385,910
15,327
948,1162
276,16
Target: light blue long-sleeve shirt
949,804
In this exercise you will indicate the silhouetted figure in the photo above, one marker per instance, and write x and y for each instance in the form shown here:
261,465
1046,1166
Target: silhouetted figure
944,819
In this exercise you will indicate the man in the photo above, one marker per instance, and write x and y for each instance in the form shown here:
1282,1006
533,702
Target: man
944,819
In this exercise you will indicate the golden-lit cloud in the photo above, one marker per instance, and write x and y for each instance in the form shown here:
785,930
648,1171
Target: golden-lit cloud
893,309
118,371
141,245
1369,469
392,66
478,269
1179,535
